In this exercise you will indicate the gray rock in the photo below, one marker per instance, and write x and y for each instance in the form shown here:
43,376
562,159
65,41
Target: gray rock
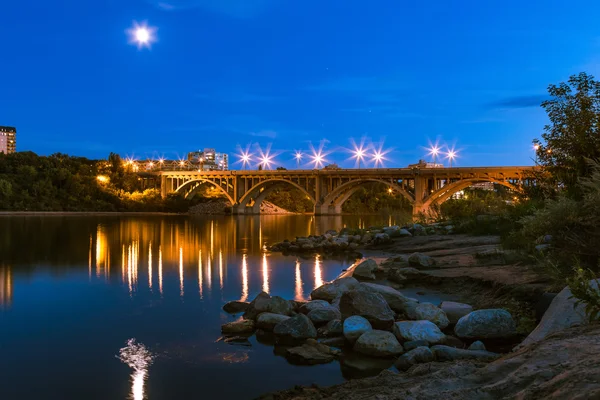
486,324
478,346
338,341
324,315
267,321
446,353
314,305
365,270
381,238
396,300
241,326
404,233
420,355
354,327
294,330
453,341
330,291
406,274
234,307
421,260
367,304
455,311
413,344
561,314
547,239
378,344
429,312
333,328
258,305
419,230
311,353
418,330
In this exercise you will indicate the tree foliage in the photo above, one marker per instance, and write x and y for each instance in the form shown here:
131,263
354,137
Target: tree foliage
573,134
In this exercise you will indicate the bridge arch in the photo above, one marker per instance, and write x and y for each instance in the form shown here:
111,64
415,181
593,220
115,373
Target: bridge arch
259,192
334,200
445,192
198,183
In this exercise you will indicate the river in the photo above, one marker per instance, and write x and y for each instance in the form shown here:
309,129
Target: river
75,289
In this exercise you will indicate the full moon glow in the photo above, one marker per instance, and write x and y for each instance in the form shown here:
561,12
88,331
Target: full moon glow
142,35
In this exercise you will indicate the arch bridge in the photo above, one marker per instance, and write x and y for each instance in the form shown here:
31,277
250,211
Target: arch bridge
328,189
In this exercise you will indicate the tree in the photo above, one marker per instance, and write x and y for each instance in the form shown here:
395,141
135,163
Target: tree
573,136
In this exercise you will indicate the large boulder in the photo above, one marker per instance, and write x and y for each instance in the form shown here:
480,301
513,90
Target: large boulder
294,330
313,305
333,328
562,314
429,312
378,344
367,304
396,300
381,238
421,260
268,321
311,353
365,270
265,303
330,291
418,330
323,315
234,307
241,326
447,353
413,344
486,324
477,345
419,230
418,355
455,311
354,327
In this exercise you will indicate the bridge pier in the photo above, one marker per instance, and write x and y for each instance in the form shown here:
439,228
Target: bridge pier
324,209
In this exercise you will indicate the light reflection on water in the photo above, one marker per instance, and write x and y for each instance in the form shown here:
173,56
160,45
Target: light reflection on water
138,358
62,266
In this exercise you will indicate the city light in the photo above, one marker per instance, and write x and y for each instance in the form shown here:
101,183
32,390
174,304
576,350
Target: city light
298,156
451,154
150,164
358,151
142,35
379,155
161,160
102,178
434,150
266,159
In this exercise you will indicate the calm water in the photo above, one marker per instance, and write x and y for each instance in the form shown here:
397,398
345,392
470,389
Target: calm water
74,290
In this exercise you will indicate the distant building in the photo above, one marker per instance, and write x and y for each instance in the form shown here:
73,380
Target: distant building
482,186
8,139
209,160
425,164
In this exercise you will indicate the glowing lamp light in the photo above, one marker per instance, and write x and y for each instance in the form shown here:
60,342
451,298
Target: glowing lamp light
102,178
161,160
536,147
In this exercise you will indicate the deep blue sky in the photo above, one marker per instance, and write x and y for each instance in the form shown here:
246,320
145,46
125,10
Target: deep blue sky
232,72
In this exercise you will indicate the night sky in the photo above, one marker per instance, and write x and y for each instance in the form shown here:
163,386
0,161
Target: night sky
227,73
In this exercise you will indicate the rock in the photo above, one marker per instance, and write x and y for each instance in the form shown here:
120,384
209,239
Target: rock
547,239
367,304
330,291
396,300
338,341
413,344
420,355
366,238
381,238
447,353
478,346
419,230
354,327
542,248
455,311
421,260
402,275
258,305
418,330
355,365
353,246
365,270
449,228
404,233
311,353
241,326
296,305
378,344
543,304
307,246
453,341
486,324
314,305
429,312
267,321
333,328
238,340
331,232
294,330
324,315
234,307
561,314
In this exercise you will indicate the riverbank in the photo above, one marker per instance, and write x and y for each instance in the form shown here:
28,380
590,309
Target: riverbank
81,213
498,301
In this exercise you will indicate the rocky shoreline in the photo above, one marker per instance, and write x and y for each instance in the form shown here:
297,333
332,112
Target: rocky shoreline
365,321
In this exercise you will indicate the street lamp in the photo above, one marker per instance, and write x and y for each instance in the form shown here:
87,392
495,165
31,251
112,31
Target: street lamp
359,154
451,155
536,147
434,150
298,156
